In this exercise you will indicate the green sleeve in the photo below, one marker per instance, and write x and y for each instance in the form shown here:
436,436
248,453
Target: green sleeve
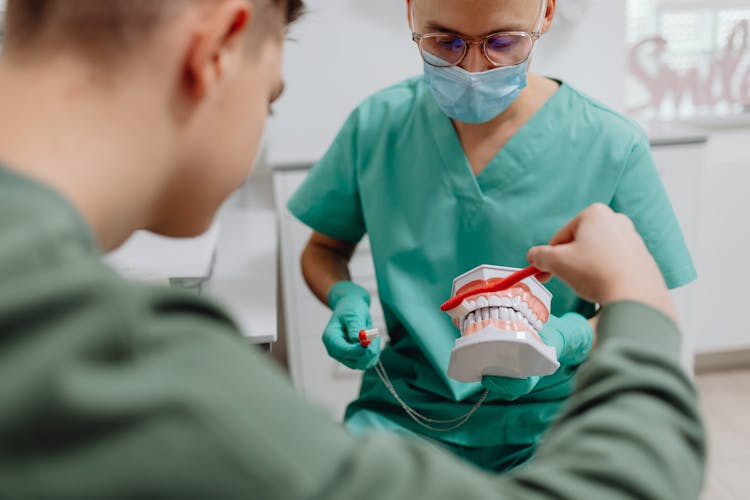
631,429
642,197
329,201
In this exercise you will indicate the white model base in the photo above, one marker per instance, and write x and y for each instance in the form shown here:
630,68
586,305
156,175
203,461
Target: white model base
500,353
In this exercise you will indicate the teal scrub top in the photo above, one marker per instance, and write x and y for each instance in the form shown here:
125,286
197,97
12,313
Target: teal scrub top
398,173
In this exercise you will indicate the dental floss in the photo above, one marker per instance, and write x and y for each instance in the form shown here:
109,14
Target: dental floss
421,419
365,339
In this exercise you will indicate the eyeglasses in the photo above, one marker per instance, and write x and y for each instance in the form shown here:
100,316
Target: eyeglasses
507,48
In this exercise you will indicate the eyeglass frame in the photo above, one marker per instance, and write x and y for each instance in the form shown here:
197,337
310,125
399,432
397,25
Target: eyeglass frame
534,36
470,41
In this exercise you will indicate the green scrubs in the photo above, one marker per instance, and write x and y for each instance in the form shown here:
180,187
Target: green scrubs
398,173
116,390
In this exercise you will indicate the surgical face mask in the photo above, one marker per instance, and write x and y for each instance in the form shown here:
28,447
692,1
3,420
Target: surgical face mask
475,97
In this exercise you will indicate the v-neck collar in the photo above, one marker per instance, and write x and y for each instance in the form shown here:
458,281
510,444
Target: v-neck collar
510,162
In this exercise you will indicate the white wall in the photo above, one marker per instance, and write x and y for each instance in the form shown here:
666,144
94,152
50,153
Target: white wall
328,72
587,48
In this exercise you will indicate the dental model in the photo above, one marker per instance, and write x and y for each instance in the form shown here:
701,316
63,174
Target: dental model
499,329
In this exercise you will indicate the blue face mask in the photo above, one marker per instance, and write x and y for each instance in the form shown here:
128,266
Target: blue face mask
475,97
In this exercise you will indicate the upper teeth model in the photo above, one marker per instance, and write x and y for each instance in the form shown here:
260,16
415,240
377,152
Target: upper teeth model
516,310
500,330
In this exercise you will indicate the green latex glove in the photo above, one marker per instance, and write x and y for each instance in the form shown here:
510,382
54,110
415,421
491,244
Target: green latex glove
351,314
572,337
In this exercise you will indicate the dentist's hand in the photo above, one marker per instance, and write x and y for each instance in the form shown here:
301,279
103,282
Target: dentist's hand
351,314
572,337
603,258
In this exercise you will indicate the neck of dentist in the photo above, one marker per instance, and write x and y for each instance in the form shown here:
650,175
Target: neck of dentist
538,91
482,141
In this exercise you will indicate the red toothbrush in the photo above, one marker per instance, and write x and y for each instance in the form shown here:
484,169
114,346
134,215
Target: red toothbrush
506,283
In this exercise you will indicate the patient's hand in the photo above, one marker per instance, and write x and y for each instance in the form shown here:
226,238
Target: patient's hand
603,258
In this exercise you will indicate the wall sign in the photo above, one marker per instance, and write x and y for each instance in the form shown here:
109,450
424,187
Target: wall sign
720,85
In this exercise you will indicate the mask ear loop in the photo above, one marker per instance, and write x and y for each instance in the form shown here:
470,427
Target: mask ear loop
540,25
542,18
411,15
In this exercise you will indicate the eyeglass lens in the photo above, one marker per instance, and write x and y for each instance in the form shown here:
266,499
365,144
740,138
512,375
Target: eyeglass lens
501,49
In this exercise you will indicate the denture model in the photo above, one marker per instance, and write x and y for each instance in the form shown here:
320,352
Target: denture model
500,330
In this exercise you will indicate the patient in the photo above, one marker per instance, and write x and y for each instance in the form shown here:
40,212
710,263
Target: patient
119,115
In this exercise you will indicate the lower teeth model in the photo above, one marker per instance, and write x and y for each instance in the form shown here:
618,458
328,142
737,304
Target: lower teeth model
500,330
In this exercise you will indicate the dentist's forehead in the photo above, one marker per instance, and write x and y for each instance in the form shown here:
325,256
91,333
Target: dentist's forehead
476,17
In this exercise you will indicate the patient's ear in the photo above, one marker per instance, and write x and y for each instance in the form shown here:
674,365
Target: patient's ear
217,47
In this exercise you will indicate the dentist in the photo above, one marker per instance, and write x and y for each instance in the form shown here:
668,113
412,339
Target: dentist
471,163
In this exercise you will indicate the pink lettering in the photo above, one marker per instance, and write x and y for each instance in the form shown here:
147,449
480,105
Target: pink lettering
723,83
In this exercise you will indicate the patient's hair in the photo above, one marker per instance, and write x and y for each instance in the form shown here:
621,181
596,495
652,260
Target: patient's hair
103,26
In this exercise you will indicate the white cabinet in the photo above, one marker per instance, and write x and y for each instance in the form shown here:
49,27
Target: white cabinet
709,190
235,262
723,245
681,166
